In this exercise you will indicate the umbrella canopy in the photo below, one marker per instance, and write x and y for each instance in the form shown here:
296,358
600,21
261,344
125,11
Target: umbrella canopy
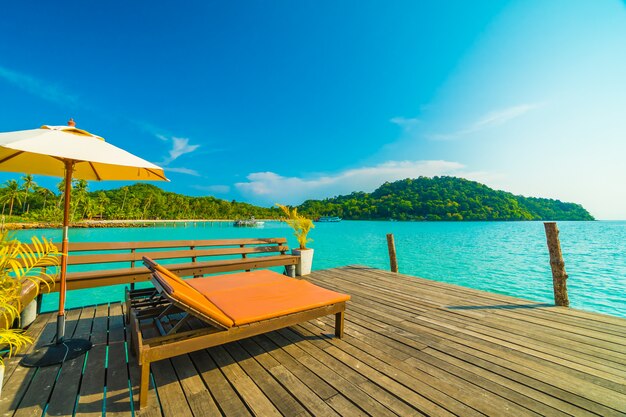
44,151
69,152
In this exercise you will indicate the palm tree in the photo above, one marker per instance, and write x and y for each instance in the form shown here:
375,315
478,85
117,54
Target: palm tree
28,185
45,193
125,189
103,201
12,193
61,188
80,194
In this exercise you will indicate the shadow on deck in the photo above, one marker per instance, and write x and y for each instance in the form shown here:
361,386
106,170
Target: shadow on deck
412,347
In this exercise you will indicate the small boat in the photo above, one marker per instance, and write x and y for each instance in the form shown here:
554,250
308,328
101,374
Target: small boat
328,219
251,222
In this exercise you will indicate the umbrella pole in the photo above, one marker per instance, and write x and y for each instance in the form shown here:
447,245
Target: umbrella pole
63,349
69,169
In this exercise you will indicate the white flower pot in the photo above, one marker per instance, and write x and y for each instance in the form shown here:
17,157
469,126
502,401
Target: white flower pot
306,261
1,378
29,314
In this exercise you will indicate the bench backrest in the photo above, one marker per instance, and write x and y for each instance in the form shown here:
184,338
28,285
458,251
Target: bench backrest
81,253
93,264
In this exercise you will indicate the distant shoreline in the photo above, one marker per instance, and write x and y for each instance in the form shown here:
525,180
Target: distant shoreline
115,223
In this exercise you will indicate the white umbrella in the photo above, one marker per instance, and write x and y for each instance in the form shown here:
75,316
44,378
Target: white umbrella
65,151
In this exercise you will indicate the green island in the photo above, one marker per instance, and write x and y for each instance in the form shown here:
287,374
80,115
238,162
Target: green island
431,199
442,198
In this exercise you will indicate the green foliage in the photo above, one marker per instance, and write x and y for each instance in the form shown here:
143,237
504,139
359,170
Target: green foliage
134,202
20,262
438,198
442,198
301,225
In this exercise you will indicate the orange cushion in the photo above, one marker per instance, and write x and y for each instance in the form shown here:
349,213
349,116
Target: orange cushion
262,302
187,295
207,285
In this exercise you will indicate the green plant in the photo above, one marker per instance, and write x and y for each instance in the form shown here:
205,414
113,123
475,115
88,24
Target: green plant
301,225
19,263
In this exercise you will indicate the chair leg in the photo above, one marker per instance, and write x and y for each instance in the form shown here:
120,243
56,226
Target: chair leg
144,384
339,324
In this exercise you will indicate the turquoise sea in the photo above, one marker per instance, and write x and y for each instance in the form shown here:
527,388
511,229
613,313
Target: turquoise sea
503,257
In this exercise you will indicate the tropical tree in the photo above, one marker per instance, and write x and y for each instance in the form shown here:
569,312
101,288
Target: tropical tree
79,196
12,193
27,185
102,201
45,193
125,190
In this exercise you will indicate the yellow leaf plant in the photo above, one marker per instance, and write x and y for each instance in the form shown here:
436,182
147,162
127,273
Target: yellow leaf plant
37,263
301,225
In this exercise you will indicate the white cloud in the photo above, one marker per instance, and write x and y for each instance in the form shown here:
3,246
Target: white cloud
180,147
187,171
270,187
37,87
217,189
491,119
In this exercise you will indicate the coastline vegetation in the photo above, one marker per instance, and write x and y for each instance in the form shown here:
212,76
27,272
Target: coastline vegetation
431,199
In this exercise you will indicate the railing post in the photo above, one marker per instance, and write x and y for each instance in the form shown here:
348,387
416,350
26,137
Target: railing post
393,260
559,277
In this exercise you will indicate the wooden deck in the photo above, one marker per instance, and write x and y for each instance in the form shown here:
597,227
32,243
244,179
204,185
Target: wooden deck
412,347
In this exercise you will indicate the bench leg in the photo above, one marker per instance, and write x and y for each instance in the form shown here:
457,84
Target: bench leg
290,271
339,324
144,384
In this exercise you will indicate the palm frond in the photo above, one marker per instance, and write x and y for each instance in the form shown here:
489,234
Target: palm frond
15,340
18,263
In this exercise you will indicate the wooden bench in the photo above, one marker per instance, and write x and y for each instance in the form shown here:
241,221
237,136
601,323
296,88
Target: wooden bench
120,262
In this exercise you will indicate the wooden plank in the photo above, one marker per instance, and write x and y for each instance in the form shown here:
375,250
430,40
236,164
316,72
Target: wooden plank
344,407
198,396
316,369
267,354
118,396
507,388
171,395
268,382
377,397
91,400
254,398
455,396
36,397
99,246
225,396
18,378
65,393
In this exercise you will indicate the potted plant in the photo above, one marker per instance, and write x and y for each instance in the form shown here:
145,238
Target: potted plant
301,226
20,263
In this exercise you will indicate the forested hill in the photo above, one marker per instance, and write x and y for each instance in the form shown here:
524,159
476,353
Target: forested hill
438,198
442,198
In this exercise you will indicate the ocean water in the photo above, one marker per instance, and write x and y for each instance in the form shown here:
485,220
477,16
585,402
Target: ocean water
503,257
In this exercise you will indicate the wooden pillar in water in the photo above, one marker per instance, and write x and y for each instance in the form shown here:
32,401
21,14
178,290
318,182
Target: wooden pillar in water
559,276
393,260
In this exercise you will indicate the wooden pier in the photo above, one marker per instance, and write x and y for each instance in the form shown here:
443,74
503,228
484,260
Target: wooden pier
412,347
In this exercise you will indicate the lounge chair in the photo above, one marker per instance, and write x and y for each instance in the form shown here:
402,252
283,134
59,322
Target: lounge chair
228,307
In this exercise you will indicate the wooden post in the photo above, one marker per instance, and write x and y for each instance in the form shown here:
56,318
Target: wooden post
393,260
559,277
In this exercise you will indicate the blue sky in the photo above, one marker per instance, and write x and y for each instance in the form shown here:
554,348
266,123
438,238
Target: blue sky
281,101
